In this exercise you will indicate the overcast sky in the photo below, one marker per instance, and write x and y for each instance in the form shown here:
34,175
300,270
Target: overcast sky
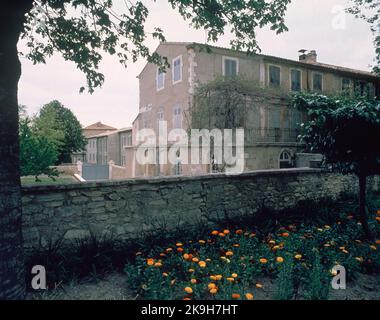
313,24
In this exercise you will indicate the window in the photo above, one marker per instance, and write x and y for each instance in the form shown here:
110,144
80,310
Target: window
177,117
160,114
274,76
295,80
346,84
285,160
230,67
160,80
129,139
177,69
317,81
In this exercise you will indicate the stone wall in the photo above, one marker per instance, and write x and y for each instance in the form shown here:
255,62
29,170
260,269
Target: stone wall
128,208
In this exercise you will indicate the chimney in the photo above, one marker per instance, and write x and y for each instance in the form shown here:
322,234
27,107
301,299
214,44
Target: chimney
305,56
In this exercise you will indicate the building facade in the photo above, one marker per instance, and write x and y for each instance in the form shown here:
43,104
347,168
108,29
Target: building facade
270,127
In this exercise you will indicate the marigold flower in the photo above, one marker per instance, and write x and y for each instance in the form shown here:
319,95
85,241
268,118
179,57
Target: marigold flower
226,231
285,234
350,217
230,279
274,248
150,262
202,264
221,234
208,260
252,235
373,247
377,218
165,274
327,226
188,290
236,245
272,242
213,291
360,259
215,232
162,254
378,212
218,277
211,286
169,249
240,231
193,281
186,298
191,270
202,241
298,256
158,264
327,245
195,260
235,296
229,253
377,241
345,251
263,260
179,244
173,282
280,259
138,253
249,296
259,285
234,275
186,256
213,278
180,249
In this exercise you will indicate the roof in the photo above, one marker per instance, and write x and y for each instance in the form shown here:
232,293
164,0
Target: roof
109,132
318,65
99,126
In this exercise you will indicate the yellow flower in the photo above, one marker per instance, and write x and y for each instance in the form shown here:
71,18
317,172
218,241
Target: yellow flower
234,275
327,226
235,296
275,248
195,260
272,242
158,264
211,286
193,281
259,285
150,262
236,245
191,270
188,290
226,231
213,291
230,279
249,296
280,259
213,278
298,256
179,244
229,253
263,260
202,264
218,277
202,241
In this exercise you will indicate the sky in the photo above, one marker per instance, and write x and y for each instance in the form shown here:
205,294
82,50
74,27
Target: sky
317,25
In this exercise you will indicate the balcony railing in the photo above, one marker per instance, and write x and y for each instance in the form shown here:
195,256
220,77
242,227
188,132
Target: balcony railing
272,135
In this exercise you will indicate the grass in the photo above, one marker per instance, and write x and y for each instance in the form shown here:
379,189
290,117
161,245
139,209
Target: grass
61,179
295,248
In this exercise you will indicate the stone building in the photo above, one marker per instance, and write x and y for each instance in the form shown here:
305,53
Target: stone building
271,126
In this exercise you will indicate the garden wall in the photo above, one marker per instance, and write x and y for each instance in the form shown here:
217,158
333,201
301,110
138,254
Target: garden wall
128,208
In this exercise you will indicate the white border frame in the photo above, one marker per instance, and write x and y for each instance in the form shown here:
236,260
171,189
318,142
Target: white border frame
290,79
268,75
224,58
181,69
312,81
163,85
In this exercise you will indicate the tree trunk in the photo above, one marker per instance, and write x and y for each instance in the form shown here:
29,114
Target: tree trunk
12,277
362,205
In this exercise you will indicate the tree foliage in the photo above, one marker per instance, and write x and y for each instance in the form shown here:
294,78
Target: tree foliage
37,152
82,29
60,126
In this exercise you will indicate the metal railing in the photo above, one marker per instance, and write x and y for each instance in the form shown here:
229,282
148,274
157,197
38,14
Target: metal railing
271,135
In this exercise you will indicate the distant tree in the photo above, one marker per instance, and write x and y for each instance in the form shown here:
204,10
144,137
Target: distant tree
369,10
37,152
60,126
346,131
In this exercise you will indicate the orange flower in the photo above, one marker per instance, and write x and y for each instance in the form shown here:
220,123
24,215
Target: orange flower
195,260
169,249
218,277
263,260
226,231
158,264
249,296
298,256
230,279
191,270
215,232
378,212
180,249
259,285
186,256
234,275
162,254
236,245
164,274
377,218
150,262
193,281
373,247
280,259
240,231
235,296
377,241
221,234
186,298
252,235
213,278
211,286
229,253
202,264
179,244
213,291
188,290
202,241
285,234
